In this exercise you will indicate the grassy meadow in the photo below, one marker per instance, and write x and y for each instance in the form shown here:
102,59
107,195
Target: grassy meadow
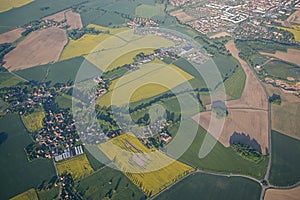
285,160
28,195
282,70
19,174
78,167
207,187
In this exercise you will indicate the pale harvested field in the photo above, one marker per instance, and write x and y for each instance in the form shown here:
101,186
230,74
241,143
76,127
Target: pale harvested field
181,15
253,95
285,117
291,194
57,17
219,35
294,18
247,115
292,56
250,122
40,47
73,20
11,36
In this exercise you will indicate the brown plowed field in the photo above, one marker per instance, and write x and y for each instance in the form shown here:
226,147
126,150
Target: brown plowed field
11,36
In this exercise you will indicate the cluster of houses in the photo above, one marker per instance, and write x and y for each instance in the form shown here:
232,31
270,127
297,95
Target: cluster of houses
69,153
142,22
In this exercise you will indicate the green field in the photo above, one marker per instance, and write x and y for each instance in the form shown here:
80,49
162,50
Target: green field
28,195
17,173
148,11
282,70
33,11
285,160
220,159
48,194
110,183
234,85
209,187
7,79
60,72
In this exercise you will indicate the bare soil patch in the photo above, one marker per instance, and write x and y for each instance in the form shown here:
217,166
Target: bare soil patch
252,123
292,56
181,15
253,95
248,116
276,194
40,47
294,18
285,117
57,17
11,36
73,20
219,35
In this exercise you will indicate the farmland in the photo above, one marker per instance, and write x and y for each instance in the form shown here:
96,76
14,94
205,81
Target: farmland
277,194
11,36
8,4
40,47
203,186
148,11
8,79
49,194
28,195
283,116
149,74
19,173
290,56
78,167
34,121
285,163
295,32
151,178
59,72
282,70
108,182
220,159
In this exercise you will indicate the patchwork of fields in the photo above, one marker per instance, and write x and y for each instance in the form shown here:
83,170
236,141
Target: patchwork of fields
151,170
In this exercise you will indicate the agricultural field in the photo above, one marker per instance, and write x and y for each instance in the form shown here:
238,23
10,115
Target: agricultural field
79,167
282,70
73,20
59,72
181,15
139,83
206,187
34,121
9,4
8,79
295,32
220,159
30,12
283,116
109,183
40,47
19,173
285,160
291,55
148,11
48,194
28,195
87,43
252,127
277,194
133,157
11,36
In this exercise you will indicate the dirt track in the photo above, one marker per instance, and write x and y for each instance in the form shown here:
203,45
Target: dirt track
11,36
40,47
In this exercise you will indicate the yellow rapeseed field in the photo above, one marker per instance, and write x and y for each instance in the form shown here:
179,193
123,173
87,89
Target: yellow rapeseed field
78,167
6,5
295,30
138,166
148,81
